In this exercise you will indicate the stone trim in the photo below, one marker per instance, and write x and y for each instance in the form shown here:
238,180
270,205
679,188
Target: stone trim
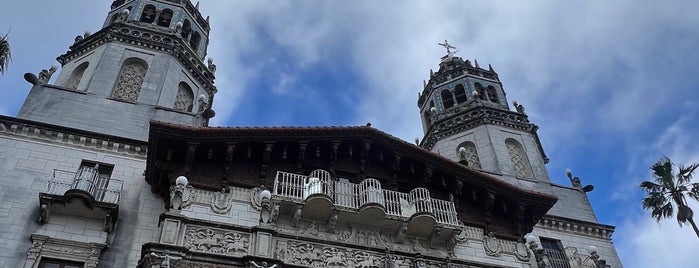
45,246
577,227
65,136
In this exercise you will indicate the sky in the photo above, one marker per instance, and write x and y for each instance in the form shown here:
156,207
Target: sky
611,84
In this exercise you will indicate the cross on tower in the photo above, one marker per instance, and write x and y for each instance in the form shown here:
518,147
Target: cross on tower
449,48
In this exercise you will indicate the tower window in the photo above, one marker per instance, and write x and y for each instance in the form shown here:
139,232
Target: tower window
480,90
128,85
469,154
519,159
492,94
184,99
447,99
77,75
165,18
186,29
460,93
194,41
148,15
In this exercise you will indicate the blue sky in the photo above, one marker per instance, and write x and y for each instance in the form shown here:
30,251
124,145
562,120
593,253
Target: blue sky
611,84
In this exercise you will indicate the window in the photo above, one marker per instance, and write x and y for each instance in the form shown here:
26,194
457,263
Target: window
77,75
93,177
165,18
480,90
519,159
184,99
554,251
460,94
148,15
470,154
447,100
128,85
186,29
492,94
194,41
55,263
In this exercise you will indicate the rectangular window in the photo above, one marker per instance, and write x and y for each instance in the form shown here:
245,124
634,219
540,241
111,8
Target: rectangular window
55,263
554,251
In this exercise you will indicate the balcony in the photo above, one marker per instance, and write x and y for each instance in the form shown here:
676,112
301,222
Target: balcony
365,203
99,193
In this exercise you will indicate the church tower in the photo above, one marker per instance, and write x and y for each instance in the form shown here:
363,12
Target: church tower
466,117
146,63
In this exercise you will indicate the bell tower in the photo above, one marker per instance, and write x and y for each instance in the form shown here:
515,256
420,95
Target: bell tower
146,63
466,117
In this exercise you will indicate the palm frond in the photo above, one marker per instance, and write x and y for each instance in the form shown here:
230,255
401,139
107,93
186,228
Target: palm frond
5,54
651,186
685,173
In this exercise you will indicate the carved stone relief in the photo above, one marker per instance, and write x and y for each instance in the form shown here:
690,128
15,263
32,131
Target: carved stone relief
221,203
217,241
491,245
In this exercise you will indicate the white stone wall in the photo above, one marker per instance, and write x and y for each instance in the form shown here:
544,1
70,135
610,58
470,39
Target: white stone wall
25,167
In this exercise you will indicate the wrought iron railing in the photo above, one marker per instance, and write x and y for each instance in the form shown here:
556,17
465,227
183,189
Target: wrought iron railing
88,179
557,258
297,188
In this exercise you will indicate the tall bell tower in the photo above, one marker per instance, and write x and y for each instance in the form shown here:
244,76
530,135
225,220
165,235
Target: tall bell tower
466,117
146,63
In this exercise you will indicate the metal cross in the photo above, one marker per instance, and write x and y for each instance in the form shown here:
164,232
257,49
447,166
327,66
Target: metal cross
448,47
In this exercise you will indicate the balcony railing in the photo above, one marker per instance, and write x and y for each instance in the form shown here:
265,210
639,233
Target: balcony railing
297,188
87,179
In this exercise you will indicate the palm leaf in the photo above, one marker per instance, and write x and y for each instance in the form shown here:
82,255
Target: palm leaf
5,54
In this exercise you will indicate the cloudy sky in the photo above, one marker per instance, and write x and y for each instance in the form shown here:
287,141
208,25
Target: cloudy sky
612,84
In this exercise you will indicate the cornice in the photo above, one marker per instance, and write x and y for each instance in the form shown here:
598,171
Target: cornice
576,226
71,137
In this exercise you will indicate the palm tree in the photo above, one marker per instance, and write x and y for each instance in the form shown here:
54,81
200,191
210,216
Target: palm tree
5,55
668,190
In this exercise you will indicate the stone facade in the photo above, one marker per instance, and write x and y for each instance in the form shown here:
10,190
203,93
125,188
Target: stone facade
116,189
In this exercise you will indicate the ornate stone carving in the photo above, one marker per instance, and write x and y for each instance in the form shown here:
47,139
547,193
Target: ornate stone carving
332,223
128,86
216,241
45,75
262,265
297,216
491,245
221,203
184,100
521,251
43,213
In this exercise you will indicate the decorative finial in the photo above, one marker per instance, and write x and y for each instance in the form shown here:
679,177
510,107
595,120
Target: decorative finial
197,6
424,84
520,109
417,141
490,68
475,61
431,73
448,47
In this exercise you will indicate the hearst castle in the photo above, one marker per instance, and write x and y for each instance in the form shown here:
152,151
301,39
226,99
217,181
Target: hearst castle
115,165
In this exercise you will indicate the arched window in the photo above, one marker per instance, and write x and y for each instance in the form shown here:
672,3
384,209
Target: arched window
194,41
492,94
77,75
447,100
184,100
480,90
469,153
186,29
165,18
519,159
130,80
148,15
460,93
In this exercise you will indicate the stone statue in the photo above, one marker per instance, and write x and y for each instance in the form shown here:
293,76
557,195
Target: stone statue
45,75
211,65
123,15
518,107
